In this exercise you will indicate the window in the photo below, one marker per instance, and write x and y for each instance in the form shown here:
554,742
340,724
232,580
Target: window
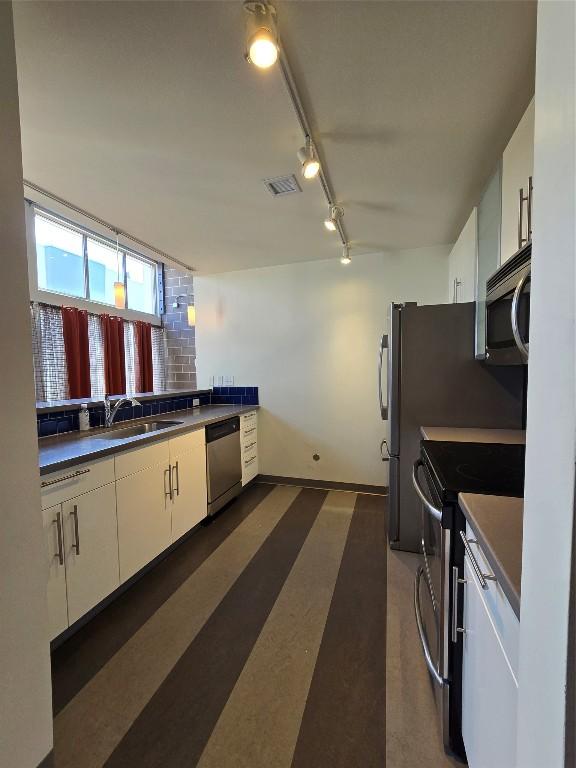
74,262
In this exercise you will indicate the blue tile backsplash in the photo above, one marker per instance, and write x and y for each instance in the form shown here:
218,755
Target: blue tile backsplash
57,422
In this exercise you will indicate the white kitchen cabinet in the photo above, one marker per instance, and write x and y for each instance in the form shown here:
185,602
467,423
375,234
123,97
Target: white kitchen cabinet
517,167
91,549
189,502
249,446
489,686
462,263
144,517
55,570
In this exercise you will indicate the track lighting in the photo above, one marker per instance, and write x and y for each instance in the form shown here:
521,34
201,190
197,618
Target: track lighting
261,34
345,258
308,160
336,213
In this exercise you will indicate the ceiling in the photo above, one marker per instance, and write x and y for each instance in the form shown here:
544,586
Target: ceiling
146,115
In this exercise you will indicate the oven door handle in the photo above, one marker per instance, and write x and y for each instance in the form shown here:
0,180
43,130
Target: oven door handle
434,511
438,679
514,316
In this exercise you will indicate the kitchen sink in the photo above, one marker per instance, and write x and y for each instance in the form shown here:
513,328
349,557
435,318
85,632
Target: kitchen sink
121,433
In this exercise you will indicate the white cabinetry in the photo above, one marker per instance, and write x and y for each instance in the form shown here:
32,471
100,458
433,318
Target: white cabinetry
517,168
489,684
56,570
462,263
189,496
249,445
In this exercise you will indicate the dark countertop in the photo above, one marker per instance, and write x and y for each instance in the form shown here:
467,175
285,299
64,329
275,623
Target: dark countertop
473,435
497,524
93,402
77,447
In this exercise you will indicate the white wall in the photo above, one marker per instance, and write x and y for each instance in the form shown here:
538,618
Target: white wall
25,697
307,334
550,450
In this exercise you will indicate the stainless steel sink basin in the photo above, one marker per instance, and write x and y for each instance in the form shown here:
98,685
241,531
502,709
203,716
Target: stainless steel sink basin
121,433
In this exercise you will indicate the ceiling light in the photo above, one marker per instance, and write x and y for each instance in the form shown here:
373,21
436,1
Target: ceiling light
345,258
261,34
336,213
308,160
119,287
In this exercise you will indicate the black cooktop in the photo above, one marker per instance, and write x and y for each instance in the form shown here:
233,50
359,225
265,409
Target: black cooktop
490,468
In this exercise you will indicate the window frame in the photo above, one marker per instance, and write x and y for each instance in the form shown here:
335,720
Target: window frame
56,299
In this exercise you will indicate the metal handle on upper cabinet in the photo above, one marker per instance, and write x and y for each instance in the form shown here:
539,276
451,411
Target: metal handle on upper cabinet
383,346
382,444
170,491
434,511
457,284
71,476
522,199
483,578
530,191
58,523
514,311
418,611
76,544
176,488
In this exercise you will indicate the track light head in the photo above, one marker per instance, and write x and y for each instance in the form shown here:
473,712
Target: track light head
345,258
308,160
336,213
261,34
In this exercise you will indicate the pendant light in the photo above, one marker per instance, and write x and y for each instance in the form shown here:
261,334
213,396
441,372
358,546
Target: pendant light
345,258
261,34
336,213
308,160
119,287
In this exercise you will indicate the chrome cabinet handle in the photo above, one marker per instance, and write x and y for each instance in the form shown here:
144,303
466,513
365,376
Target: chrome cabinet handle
247,447
46,483
418,612
457,284
249,461
455,581
176,488
170,491
382,444
483,578
522,199
529,223
434,511
74,514
383,346
514,311
58,523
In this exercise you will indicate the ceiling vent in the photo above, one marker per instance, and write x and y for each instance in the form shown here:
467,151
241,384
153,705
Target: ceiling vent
282,185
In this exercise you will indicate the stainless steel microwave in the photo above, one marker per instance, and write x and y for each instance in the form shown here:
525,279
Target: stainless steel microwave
508,311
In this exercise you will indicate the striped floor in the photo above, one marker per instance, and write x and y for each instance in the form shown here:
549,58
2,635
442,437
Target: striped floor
258,643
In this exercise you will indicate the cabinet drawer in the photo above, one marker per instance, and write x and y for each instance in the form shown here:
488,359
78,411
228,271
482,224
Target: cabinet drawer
501,613
250,448
137,459
248,421
249,468
65,484
187,442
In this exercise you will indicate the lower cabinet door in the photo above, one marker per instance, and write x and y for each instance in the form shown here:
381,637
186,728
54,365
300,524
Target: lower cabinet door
190,497
144,518
55,570
249,467
489,688
91,536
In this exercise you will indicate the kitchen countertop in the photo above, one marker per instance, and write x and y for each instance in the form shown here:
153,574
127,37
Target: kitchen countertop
497,525
74,448
473,435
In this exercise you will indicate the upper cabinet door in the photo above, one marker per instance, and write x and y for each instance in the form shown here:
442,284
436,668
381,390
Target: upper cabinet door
489,220
462,264
517,167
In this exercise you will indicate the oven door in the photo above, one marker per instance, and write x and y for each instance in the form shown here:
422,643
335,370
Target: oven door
508,320
431,593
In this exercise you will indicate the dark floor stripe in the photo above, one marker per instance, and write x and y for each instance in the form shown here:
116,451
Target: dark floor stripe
175,726
76,661
344,720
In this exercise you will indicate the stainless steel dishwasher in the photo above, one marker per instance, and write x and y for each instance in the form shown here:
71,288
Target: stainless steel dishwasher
223,463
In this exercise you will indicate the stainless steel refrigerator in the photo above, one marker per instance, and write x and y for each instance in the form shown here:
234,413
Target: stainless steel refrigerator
430,377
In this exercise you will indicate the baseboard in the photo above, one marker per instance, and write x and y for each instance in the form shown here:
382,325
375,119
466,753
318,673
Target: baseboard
325,485
48,761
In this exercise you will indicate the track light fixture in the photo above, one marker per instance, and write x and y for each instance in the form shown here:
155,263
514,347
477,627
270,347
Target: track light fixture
345,258
261,34
308,160
336,213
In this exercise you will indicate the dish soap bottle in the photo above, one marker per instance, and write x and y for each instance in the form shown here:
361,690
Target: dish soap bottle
84,418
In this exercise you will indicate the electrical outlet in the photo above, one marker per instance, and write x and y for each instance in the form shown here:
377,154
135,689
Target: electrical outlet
195,402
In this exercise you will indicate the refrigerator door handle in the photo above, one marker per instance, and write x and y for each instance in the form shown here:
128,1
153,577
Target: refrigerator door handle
383,406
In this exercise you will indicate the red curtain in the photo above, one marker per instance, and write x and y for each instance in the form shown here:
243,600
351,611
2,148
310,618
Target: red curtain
143,339
75,328
114,361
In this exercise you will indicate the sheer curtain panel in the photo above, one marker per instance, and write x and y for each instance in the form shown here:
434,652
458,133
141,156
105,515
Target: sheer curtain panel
50,369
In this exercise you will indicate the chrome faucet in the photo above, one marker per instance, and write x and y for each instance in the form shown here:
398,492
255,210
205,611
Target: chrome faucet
111,411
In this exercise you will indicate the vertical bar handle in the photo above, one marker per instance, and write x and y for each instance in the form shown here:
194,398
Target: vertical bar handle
455,629
74,514
58,523
522,198
530,190
383,407
170,491
176,486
